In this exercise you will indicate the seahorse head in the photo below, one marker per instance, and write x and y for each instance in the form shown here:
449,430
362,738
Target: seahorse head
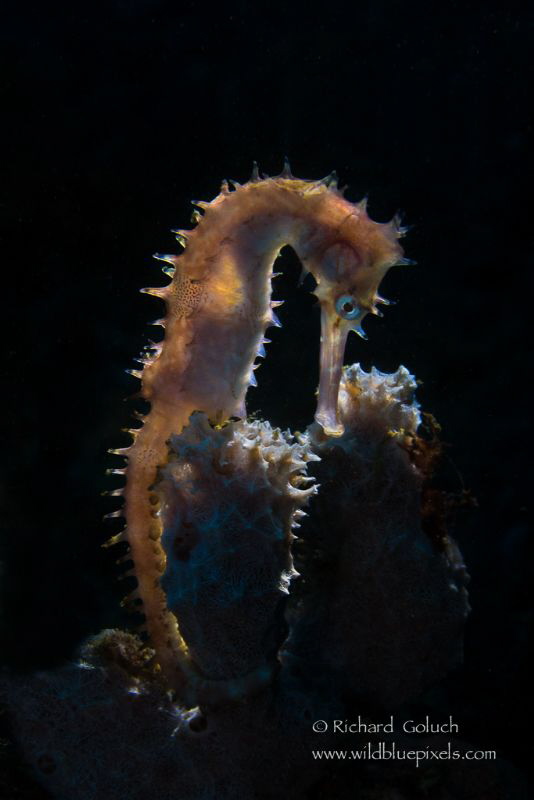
348,256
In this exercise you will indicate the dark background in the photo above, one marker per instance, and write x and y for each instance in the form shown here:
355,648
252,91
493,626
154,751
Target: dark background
113,118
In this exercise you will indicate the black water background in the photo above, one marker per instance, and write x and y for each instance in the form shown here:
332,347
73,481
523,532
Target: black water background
113,118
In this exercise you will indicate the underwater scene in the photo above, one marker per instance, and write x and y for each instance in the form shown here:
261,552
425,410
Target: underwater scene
265,481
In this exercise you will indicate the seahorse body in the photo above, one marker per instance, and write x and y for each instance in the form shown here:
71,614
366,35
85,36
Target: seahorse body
218,306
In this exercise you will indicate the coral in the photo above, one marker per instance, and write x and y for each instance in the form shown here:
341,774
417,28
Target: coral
229,499
88,736
377,616
383,608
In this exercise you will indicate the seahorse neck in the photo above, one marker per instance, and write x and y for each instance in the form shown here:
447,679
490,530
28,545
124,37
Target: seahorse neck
228,265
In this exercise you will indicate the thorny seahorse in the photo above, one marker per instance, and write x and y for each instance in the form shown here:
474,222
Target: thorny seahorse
218,307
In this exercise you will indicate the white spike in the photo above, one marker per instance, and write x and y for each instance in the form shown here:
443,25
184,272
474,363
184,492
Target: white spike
170,259
330,180
286,171
384,301
303,479
119,537
155,291
181,236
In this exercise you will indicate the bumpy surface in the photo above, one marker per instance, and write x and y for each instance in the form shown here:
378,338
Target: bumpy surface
229,499
87,738
377,617
385,608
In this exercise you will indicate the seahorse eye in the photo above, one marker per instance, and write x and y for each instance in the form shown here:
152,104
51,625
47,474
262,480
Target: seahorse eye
346,307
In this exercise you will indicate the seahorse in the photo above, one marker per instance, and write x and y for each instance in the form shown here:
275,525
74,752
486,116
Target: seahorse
218,307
